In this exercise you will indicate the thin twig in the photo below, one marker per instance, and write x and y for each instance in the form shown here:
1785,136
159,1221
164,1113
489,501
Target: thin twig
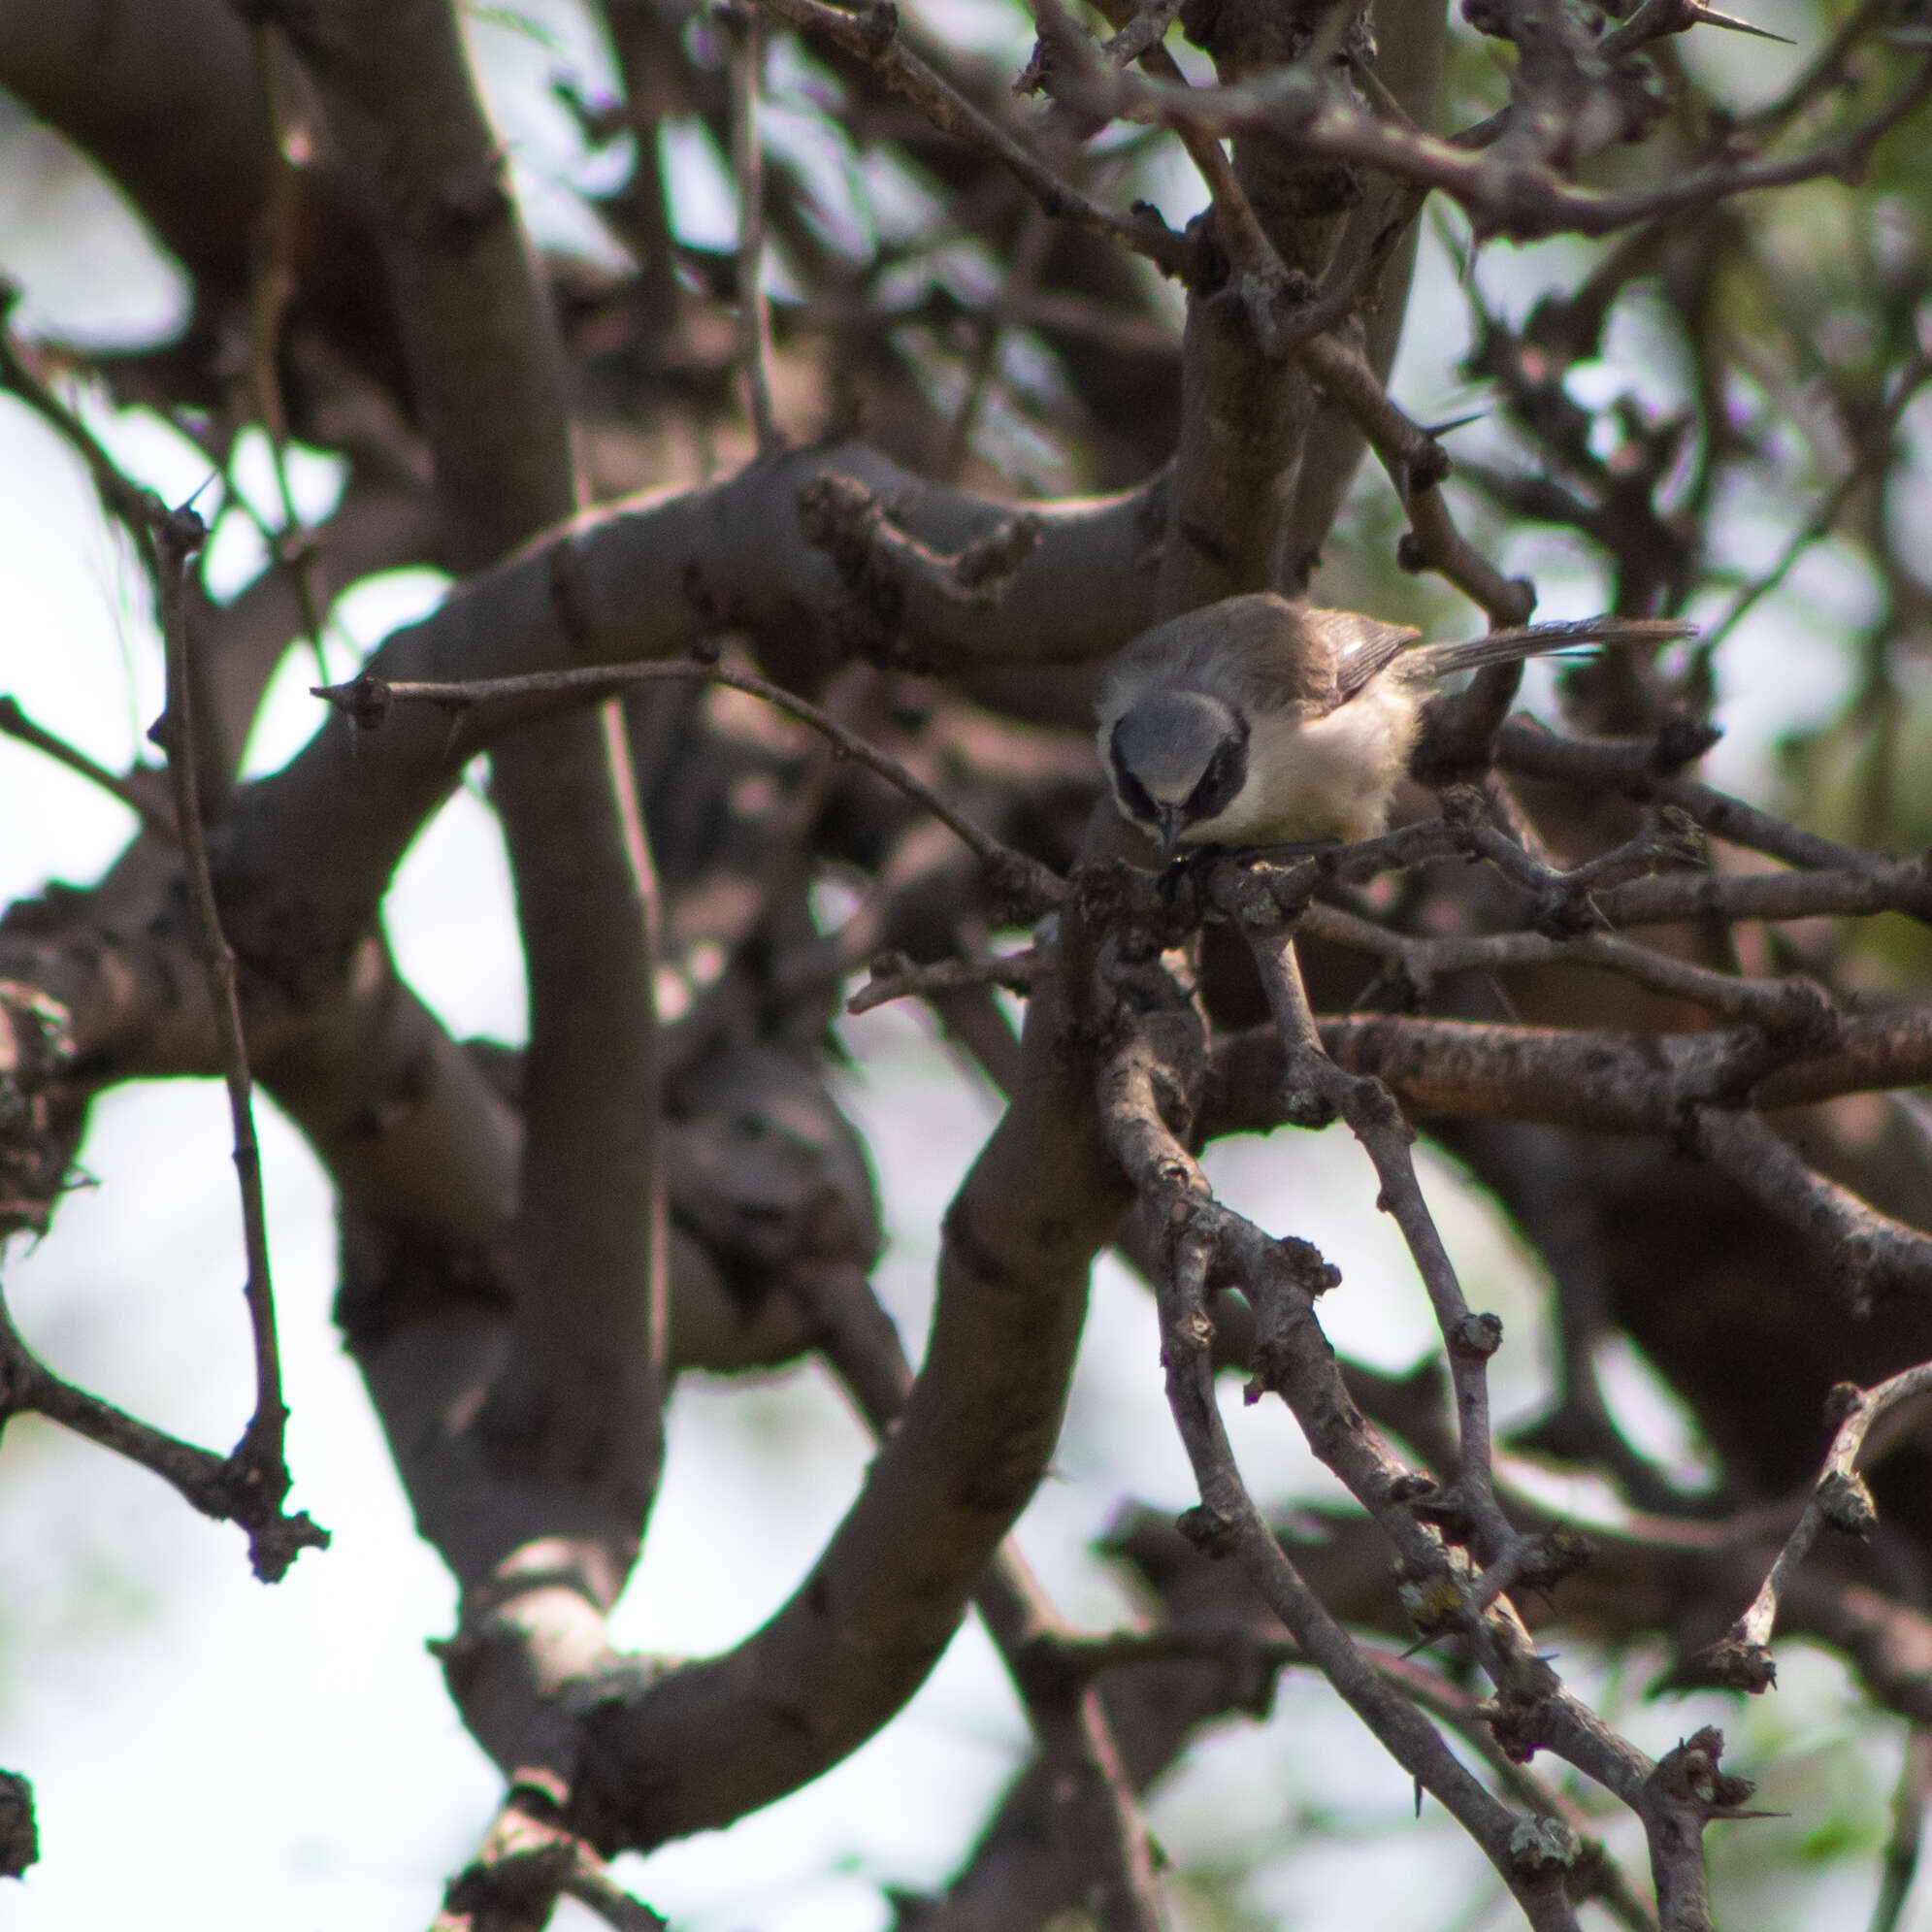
1775,1003
366,699
1015,291
1523,200
1176,1195
1873,452
873,36
1742,1657
1289,321
1896,885
198,1475
1270,894
158,820
258,1464
1386,1135
1823,72
1650,770
1143,33
128,503
894,977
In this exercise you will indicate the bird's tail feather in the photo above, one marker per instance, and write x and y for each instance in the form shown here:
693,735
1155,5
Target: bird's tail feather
1528,640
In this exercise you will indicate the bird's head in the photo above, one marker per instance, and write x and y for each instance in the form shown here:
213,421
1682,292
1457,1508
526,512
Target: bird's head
1178,759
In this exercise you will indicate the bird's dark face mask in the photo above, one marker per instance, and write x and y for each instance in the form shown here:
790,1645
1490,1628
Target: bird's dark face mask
1179,759
1221,783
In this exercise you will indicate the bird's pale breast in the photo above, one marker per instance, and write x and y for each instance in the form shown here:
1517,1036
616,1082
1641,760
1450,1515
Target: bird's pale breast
1321,777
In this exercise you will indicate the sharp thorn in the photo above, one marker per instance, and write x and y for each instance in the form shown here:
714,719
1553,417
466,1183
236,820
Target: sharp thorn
1455,423
1708,17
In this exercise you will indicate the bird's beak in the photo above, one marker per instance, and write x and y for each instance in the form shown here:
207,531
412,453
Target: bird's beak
1172,825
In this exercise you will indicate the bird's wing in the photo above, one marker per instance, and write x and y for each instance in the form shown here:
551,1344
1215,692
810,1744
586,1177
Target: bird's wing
1253,651
1539,639
1264,654
1358,646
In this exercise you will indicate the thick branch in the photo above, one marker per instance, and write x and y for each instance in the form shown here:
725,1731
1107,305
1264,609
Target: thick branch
1867,1253
573,1426
1593,1080
707,1743
1094,1818
311,849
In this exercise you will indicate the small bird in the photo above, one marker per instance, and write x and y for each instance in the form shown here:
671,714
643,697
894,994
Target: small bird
1258,722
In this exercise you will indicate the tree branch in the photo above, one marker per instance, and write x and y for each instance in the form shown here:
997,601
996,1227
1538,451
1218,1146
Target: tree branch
258,1472
136,795
873,37
366,700
1741,1658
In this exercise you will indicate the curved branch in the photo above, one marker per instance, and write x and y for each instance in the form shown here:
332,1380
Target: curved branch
309,852
704,1743
573,1427
1838,1500
366,701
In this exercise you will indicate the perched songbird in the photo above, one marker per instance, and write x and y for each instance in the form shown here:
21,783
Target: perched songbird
1258,722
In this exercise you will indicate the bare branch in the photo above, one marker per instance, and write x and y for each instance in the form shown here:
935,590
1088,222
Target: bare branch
1377,1121
259,1469
1226,1523
1593,1080
527,1862
1417,465
1868,1254
1097,1815
1143,33
1778,1004
1874,453
1840,1501
273,287
1901,1848
205,1481
1652,772
840,517
131,792
1509,195
368,697
873,36
894,977
131,507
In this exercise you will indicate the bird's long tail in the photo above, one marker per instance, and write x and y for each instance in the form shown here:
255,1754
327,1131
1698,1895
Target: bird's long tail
1540,640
